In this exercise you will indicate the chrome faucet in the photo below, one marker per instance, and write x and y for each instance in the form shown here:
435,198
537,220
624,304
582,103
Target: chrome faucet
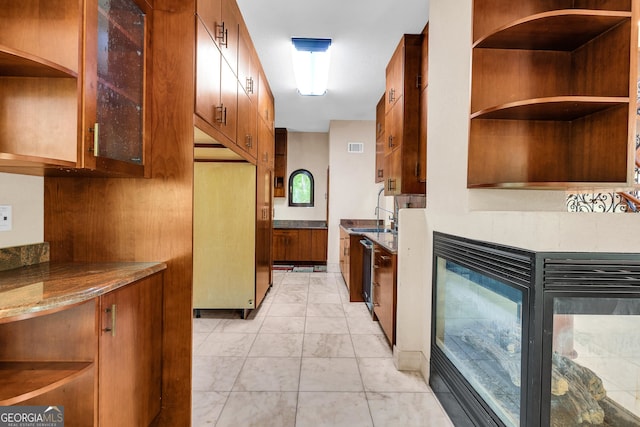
378,209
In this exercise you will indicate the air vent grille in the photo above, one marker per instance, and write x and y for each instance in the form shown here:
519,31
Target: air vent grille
509,265
355,147
571,273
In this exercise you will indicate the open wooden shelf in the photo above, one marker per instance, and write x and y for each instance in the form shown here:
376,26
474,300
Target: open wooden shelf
25,380
550,94
16,63
562,108
564,30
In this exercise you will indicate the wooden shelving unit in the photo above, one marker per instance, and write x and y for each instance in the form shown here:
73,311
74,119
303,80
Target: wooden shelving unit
14,62
280,163
51,356
550,103
26,380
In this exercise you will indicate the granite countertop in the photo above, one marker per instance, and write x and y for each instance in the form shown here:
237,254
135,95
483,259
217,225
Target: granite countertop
295,223
49,286
389,241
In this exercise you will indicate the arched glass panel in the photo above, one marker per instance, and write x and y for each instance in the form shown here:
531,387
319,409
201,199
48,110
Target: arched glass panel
301,188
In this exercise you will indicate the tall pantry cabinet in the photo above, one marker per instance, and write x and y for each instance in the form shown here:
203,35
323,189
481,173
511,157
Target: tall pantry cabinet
233,119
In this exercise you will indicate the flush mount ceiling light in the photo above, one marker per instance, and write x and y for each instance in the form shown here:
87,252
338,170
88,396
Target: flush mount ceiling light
311,65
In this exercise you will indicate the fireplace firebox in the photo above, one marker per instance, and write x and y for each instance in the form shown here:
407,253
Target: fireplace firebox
527,339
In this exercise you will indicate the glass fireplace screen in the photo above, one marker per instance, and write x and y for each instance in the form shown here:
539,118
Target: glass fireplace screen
478,326
595,364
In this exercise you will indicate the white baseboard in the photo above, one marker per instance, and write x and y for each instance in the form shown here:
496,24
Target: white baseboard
411,361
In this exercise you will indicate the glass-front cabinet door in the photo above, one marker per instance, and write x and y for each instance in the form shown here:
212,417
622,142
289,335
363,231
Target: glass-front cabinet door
116,58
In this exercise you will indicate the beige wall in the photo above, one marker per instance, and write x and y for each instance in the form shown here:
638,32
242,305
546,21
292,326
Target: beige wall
353,190
534,220
310,151
25,194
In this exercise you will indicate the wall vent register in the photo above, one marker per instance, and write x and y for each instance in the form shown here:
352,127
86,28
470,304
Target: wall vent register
355,147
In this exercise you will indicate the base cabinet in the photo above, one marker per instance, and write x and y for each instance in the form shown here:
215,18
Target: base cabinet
345,263
101,360
300,245
130,354
351,265
384,290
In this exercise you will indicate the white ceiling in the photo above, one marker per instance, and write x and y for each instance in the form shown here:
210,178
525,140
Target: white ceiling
364,35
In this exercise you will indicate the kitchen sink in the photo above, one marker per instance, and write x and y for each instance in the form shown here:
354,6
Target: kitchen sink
371,230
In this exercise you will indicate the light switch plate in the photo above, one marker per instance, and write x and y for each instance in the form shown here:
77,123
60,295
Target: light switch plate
5,217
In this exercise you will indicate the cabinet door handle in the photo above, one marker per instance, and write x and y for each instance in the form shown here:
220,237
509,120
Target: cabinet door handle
111,310
222,35
390,141
250,84
391,184
96,138
392,95
248,141
222,114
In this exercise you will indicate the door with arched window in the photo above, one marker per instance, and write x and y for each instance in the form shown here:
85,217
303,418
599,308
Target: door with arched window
301,188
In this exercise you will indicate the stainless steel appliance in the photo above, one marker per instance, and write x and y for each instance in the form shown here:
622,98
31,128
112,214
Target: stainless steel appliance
367,273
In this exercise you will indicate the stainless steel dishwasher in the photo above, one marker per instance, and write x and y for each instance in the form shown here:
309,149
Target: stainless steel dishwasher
367,273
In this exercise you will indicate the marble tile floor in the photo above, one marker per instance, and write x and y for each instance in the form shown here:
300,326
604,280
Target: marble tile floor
306,357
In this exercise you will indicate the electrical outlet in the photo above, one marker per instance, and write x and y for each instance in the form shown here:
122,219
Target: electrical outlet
5,217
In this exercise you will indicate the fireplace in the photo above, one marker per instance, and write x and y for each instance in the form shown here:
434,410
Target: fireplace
522,338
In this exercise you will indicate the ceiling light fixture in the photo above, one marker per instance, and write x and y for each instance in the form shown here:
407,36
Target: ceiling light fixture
311,65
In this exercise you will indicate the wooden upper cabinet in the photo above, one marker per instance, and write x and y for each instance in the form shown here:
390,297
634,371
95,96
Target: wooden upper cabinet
280,163
208,88
39,56
266,144
550,94
232,94
422,146
228,45
221,19
402,119
210,12
266,108
216,85
116,123
89,95
395,77
228,102
247,135
248,65
380,139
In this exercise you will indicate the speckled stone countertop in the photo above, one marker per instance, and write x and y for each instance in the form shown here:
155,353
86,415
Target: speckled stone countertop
389,241
48,286
294,223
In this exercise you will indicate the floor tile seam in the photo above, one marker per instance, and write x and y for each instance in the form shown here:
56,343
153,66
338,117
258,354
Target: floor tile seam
364,387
